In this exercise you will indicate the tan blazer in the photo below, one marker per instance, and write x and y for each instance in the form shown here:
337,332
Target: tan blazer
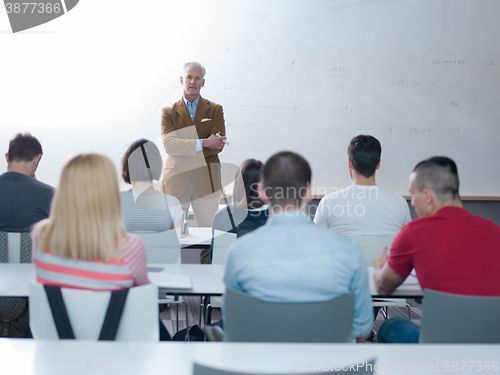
179,135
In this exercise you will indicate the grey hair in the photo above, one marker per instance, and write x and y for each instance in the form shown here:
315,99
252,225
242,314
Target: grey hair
440,175
194,64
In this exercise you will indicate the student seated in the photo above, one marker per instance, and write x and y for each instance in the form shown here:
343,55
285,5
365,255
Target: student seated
83,244
144,209
363,209
23,200
451,250
247,209
289,259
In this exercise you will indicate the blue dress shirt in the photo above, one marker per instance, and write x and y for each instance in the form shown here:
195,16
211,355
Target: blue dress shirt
191,106
290,259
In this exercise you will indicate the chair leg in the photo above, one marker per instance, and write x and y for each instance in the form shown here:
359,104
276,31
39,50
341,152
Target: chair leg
409,312
208,316
384,312
201,307
205,304
177,318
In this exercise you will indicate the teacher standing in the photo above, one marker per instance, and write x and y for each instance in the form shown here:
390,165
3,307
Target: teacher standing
188,128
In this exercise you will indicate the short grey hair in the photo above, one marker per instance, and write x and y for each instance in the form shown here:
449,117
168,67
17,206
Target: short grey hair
194,64
440,175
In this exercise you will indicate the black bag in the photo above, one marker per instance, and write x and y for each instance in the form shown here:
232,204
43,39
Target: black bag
195,334
14,317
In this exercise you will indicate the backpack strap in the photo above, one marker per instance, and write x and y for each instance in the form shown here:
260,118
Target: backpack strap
61,319
231,217
59,312
113,315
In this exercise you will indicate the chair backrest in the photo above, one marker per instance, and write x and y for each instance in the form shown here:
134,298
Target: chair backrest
15,247
162,247
451,318
372,246
248,319
222,241
365,367
86,311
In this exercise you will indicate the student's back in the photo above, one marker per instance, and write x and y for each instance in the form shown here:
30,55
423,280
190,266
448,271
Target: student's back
24,201
83,243
363,209
452,251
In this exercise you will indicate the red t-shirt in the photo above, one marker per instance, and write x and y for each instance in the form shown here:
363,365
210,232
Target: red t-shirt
452,251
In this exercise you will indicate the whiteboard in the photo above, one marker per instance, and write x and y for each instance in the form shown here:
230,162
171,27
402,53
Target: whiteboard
307,76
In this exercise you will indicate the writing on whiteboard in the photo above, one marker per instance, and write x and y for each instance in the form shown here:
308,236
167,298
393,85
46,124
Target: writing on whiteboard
414,130
447,62
338,71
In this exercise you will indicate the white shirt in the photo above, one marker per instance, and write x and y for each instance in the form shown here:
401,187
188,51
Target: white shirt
360,210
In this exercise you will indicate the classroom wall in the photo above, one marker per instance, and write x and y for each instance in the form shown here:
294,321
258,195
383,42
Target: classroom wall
422,76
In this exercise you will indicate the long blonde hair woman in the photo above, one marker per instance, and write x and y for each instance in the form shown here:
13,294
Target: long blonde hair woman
83,243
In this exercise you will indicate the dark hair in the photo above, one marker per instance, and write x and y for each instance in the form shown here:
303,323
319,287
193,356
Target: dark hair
250,170
285,178
141,162
24,147
439,174
364,152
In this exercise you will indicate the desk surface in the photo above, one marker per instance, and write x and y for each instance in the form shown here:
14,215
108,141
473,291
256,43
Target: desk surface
206,280
28,357
198,236
15,278
405,290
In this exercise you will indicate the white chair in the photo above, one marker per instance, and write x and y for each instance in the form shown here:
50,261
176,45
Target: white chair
372,247
15,247
458,319
163,247
86,311
222,241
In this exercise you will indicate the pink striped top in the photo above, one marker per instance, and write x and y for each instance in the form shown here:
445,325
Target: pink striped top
130,271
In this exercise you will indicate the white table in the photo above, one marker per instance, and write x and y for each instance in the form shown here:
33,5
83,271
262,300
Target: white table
404,290
15,278
29,357
198,236
206,280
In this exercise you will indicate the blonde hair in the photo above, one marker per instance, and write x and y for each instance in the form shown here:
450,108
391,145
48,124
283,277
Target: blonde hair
85,219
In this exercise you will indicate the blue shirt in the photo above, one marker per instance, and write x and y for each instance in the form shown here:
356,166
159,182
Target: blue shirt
191,106
290,259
